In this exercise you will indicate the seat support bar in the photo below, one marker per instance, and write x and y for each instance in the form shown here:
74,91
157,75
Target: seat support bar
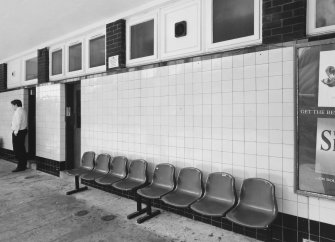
140,210
77,188
150,214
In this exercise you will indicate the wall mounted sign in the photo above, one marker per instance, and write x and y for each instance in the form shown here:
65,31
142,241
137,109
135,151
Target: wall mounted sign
113,61
315,130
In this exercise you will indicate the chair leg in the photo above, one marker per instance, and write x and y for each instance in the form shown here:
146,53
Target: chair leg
139,211
77,188
150,214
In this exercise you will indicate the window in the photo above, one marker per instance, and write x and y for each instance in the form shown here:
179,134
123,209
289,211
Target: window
97,52
75,57
31,69
321,17
232,23
56,62
141,39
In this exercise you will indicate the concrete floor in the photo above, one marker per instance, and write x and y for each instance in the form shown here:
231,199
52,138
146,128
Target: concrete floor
34,207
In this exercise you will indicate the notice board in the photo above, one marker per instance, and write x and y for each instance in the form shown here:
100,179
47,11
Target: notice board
315,123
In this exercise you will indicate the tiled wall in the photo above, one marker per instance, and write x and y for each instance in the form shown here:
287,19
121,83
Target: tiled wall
232,114
6,114
50,122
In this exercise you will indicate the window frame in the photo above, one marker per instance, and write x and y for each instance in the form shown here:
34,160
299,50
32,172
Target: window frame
91,36
254,39
153,15
312,30
67,53
24,68
52,50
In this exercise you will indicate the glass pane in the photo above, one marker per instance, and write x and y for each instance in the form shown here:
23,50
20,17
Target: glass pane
142,40
232,19
325,10
97,52
75,57
31,69
57,62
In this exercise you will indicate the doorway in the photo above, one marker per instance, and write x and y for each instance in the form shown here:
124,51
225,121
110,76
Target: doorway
73,124
31,123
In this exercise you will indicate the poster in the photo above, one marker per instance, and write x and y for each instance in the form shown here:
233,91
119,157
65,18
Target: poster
315,130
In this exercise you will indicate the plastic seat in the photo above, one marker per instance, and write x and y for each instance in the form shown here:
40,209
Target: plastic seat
257,205
117,171
87,165
136,177
219,197
162,183
101,168
188,189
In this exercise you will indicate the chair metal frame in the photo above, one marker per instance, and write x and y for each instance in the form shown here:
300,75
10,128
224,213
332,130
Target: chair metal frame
77,172
141,193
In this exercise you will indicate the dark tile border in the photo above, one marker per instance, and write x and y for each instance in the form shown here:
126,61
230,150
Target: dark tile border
49,166
7,155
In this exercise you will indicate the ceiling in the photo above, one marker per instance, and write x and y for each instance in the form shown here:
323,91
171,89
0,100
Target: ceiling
25,24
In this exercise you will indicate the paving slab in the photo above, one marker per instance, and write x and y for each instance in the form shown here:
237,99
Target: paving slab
34,208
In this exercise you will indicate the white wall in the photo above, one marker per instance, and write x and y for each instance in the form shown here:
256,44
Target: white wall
6,114
14,74
232,114
50,122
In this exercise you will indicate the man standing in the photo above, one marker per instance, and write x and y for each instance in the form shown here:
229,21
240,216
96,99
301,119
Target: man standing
19,132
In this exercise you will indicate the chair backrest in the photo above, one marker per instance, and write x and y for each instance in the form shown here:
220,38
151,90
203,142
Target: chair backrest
258,193
118,166
221,185
102,163
164,175
87,160
138,170
190,180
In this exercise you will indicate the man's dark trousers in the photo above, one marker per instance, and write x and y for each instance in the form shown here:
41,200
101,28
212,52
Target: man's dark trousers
20,149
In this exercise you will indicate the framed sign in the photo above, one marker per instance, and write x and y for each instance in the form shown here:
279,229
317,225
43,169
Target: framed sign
315,130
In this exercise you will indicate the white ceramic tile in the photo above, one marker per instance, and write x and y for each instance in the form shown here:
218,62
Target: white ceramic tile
288,54
290,207
276,55
227,62
276,163
262,70
276,69
238,61
275,96
262,57
249,59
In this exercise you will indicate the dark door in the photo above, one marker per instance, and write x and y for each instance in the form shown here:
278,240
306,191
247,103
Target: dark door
31,123
73,125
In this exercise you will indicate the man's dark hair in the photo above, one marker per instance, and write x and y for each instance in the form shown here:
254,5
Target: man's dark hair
16,102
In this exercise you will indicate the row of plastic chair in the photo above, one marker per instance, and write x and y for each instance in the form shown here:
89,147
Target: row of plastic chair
256,206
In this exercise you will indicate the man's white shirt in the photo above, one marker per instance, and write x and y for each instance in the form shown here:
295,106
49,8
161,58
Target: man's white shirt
19,121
